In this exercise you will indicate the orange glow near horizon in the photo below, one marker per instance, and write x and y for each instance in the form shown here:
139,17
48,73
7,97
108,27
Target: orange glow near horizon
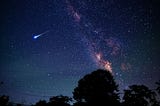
104,63
108,66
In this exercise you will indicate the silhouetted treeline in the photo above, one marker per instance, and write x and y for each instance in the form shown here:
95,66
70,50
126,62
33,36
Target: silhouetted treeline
100,89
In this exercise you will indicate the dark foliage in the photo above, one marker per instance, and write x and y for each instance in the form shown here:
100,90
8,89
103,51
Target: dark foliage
139,95
55,101
97,88
41,103
4,100
100,89
59,101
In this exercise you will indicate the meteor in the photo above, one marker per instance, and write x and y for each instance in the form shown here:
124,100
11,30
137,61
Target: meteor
37,36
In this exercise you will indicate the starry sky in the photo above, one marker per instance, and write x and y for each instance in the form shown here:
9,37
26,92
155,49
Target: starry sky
46,46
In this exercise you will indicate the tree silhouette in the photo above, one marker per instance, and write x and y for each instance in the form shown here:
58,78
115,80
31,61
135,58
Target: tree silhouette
41,103
97,88
4,100
139,95
59,101
80,104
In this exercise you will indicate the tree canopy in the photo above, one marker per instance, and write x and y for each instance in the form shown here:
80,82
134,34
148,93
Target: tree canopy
139,95
99,87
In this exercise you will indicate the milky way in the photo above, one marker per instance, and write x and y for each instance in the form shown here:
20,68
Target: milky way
104,30
121,36
103,47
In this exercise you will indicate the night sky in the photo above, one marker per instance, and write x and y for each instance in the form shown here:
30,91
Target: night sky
46,46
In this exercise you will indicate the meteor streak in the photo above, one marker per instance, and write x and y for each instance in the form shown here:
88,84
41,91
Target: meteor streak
37,36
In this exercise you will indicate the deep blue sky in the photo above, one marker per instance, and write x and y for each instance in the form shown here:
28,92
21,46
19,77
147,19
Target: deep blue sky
123,33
